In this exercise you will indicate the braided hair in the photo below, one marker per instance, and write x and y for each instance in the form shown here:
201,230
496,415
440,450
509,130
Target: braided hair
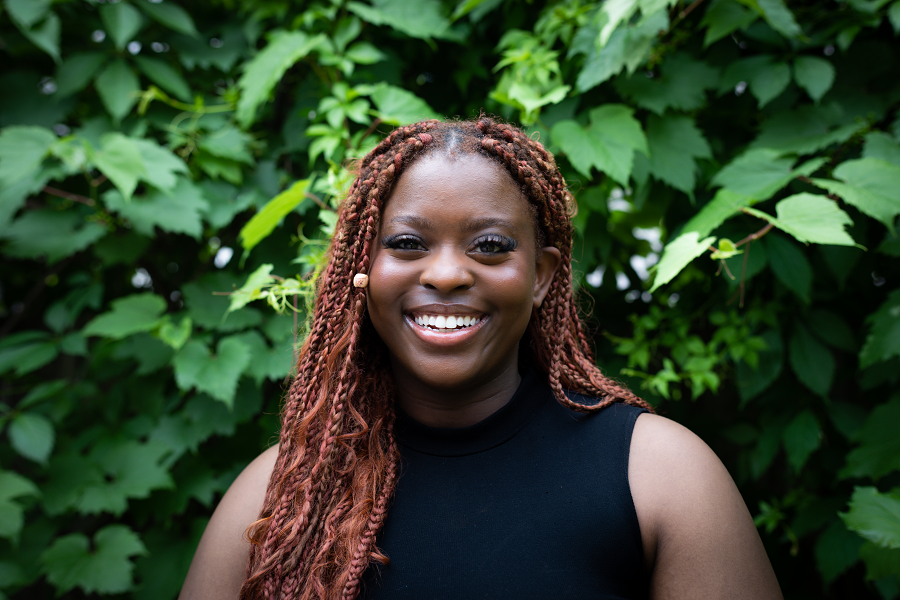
337,464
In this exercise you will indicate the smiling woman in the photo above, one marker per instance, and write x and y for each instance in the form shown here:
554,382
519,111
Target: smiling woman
448,433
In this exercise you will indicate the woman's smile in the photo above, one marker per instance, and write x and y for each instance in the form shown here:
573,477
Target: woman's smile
455,274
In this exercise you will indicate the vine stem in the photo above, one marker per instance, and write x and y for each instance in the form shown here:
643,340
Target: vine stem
68,195
318,201
755,236
296,334
683,14
744,273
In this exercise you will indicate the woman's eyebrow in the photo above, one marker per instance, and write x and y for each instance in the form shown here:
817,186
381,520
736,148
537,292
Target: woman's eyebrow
467,226
484,223
412,221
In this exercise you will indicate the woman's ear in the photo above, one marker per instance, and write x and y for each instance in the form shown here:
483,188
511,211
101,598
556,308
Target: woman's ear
544,271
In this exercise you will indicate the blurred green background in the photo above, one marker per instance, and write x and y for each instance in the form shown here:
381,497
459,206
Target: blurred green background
168,178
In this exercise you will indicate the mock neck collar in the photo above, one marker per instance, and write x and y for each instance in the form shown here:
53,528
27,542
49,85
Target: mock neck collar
493,431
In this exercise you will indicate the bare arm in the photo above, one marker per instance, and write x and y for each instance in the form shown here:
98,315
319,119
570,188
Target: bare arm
699,539
220,563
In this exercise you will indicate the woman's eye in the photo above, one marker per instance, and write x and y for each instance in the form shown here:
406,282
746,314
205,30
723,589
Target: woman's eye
494,244
402,242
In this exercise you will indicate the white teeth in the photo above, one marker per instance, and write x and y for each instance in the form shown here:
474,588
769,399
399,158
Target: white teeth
444,323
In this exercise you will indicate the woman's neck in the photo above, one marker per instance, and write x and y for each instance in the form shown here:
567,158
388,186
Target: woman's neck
457,407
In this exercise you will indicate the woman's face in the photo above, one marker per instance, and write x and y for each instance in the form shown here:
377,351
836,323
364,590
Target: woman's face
454,273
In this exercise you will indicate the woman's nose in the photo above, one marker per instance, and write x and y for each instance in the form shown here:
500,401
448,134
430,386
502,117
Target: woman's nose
446,271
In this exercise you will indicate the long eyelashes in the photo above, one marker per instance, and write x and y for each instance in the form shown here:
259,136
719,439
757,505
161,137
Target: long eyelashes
491,243
402,241
494,244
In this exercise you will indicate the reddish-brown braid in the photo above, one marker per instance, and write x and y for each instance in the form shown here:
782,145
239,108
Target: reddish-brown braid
337,462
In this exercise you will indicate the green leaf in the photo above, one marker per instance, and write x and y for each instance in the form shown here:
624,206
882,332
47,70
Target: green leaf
46,35
870,184
249,291
231,143
224,202
121,161
26,352
151,353
265,221
874,516
752,382
164,75
76,71
103,566
265,69
681,85
801,438
811,360
12,516
677,254
608,143
129,315
27,12
768,85
880,562
13,485
882,146
724,17
777,14
176,335
118,88
832,329
613,13
22,150
627,48
131,469
178,212
879,451
837,549
757,174
894,16
218,374
122,21
170,15
814,74
268,363
32,436
789,265
208,306
724,205
766,80
53,234
803,131
423,19
675,142
883,341
364,53
161,168
397,106
810,218
42,392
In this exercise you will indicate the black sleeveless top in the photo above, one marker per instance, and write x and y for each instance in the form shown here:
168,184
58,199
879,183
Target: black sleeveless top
532,502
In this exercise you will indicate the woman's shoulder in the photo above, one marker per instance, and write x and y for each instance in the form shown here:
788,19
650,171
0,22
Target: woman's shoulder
699,538
220,563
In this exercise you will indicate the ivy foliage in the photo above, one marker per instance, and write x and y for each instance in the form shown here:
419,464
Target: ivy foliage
169,173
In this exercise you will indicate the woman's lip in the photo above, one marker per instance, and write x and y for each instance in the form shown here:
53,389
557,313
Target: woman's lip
450,338
444,309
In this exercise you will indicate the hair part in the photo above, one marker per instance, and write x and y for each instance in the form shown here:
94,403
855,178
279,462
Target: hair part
337,464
